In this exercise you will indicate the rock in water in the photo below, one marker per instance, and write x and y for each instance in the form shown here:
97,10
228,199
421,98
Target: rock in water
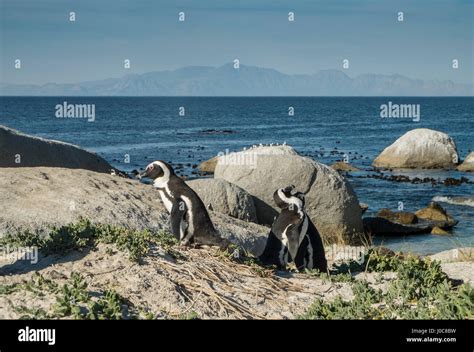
342,166
384,227
439,231
405,217
330,201
363,207
468,163
208,166
401,217
435,212
432,219
225,198
420,148
22,150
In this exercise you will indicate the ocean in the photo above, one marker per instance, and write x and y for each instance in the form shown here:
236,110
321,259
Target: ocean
130,132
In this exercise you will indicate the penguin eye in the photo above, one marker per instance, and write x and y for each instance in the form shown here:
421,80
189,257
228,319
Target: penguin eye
150,167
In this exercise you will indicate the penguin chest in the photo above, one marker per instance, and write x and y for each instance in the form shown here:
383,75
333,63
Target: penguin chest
166,198
283,254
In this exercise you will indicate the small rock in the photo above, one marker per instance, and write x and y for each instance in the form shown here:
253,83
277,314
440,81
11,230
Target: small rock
468,163
465,254
401,217
405,217
342,166
363,207
463,271
439,231
56,275
208,166
435,212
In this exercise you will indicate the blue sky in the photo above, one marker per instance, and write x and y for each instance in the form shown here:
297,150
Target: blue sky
215,32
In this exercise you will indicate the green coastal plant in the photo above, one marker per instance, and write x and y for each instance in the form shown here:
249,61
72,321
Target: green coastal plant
34,313
9,289
83,234
38,285
109,306
421,290
74,300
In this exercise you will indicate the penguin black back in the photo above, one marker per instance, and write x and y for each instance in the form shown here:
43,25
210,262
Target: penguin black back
190,221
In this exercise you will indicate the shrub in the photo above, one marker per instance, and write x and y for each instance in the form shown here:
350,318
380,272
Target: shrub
421,290
83,234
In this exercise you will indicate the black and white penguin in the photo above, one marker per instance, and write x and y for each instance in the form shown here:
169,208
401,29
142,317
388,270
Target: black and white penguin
293,236
190,221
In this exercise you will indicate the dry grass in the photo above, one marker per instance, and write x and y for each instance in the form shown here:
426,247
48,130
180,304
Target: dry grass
222,280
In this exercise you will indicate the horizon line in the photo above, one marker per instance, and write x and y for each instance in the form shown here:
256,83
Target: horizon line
343,71
237,96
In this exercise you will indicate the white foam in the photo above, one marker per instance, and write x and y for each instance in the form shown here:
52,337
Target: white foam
467,201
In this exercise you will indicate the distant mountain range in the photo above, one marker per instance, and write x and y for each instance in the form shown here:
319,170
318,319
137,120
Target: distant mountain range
245,81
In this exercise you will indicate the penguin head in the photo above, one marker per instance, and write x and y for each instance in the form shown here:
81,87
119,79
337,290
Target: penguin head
285,198
282,195
159,171
300,196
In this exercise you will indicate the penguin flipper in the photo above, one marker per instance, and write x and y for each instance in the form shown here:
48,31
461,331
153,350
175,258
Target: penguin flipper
302,260
319,255
178,218
270,255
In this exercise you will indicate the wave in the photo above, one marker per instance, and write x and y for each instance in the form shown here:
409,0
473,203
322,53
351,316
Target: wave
467,201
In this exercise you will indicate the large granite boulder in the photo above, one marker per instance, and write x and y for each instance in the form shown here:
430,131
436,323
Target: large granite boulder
225,197
330,201
22,150
208,166
420,148
38,198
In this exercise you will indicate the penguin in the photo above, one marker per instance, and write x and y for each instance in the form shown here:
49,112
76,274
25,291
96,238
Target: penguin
293,236
190,221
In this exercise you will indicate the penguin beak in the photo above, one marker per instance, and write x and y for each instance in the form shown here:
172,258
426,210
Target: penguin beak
143,174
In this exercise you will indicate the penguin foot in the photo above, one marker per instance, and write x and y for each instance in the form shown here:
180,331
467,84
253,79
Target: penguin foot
186,246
